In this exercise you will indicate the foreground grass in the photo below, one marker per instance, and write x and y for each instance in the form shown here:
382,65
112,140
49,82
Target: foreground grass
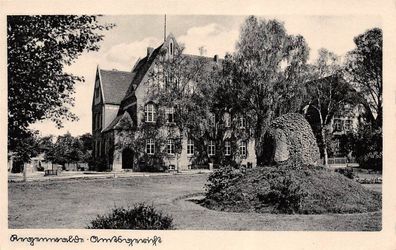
74,203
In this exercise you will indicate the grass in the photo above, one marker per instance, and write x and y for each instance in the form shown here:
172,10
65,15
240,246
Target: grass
74,203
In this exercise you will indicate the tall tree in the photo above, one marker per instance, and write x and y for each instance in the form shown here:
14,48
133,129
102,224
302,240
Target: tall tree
364,70
178,86
39,47
265,76
364,65
328,93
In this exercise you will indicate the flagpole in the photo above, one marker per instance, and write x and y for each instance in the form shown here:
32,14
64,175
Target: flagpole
165,28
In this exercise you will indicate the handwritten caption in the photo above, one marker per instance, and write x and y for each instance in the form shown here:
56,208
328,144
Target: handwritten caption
75,239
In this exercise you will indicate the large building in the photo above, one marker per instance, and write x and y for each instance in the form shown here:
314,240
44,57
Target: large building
120,104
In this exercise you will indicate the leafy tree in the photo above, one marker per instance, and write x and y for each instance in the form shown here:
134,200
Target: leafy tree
27,147
69,149
181,84
364,71
368,147
328,93
364,67
264,78
39,47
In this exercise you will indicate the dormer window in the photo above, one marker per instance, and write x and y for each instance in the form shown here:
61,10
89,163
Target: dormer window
150,112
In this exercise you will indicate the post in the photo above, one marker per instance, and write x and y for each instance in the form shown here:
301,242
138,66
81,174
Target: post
24,171
165,28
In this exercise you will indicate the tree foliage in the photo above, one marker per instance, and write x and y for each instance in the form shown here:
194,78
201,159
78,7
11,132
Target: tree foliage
70,149
179,83
265,76
364,67
39,47
328,95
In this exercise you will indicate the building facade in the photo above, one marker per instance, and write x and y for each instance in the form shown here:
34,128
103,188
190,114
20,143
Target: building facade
121,103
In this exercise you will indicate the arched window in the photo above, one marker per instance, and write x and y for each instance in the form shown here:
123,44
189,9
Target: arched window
149,112
171,48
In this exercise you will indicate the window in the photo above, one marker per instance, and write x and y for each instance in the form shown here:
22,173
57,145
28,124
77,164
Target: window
242,122
227,148
211,148
170,147
190,147
150,146
170,115
242,149
150,112
227,120
337,126
171,48
348,125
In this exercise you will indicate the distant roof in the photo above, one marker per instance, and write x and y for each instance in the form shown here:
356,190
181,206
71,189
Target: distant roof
115,84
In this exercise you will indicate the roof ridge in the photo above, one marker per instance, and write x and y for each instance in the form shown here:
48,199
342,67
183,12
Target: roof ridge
115,70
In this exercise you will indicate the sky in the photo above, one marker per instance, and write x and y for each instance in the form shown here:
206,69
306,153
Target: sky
131,36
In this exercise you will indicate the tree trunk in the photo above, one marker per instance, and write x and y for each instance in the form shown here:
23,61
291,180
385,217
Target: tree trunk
258,142
325,156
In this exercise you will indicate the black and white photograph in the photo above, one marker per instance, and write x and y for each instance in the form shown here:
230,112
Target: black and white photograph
250,122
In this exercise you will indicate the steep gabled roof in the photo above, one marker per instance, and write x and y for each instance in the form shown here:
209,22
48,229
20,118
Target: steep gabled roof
140,70
115,84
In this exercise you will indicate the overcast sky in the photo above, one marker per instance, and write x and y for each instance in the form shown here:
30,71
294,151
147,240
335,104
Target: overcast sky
128,41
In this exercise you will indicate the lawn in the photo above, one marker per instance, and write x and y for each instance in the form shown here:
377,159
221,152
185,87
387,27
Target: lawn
74,203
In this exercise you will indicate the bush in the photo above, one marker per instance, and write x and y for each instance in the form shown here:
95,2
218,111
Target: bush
141,216
286,195
368,147
347,172
220,182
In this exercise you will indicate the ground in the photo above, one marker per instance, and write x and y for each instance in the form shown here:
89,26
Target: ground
74,203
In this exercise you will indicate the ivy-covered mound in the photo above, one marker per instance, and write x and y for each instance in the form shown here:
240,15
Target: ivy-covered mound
288,189
289,138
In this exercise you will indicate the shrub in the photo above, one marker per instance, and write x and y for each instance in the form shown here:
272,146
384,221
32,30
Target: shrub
141,216
368,147
347,172
220,182
286,195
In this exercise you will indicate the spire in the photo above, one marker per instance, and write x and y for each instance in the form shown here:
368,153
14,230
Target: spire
165,28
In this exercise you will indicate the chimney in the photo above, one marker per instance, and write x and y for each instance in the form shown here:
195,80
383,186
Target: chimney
216,58
149,51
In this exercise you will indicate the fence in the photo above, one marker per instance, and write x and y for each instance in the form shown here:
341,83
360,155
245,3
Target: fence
341,161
